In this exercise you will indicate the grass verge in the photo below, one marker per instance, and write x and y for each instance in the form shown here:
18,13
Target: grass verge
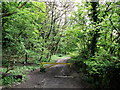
18,70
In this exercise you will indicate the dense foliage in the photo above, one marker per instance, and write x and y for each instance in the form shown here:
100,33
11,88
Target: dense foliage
32,29
94,37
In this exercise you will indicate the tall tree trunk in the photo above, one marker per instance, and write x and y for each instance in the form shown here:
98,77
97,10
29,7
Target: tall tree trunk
93,44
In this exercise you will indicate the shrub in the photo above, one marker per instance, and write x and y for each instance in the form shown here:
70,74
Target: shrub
103,69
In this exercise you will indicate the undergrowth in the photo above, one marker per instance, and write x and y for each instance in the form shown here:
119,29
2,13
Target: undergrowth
103,70
18,70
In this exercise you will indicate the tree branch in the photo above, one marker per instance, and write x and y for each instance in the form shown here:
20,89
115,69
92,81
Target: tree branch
114,28
40,9
9,14
23,4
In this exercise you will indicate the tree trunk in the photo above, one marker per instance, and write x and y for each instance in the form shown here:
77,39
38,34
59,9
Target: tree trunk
93,44
40,58
26,58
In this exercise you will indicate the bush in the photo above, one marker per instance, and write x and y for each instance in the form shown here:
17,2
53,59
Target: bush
103,69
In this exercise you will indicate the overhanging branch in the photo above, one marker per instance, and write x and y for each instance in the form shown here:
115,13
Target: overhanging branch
9,14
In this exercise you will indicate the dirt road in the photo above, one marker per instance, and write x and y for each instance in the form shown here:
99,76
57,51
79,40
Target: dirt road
58,76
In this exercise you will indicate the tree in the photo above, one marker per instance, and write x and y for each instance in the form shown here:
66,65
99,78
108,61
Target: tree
20,30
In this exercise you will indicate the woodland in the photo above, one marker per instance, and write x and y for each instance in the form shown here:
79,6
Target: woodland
34,32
